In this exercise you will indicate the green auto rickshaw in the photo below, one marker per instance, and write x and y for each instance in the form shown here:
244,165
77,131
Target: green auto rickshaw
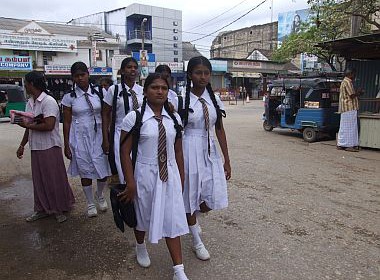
12,97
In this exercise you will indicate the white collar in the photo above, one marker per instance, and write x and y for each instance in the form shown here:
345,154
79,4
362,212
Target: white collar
194,99
149,113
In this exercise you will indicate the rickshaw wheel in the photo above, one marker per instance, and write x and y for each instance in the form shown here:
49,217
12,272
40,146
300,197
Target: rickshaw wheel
267,126
309,134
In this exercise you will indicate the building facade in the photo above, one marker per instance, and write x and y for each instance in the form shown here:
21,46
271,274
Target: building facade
239,44
160,30
52,49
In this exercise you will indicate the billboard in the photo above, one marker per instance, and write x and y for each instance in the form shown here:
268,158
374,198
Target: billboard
290,22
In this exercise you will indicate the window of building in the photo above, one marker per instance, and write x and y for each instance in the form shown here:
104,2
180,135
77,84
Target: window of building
20,53
175,23
250,32
175,52
176,59
98,55
175,38
175,45
175,30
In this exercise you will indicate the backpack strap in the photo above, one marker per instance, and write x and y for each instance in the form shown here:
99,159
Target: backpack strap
136,137
111,156
126,100
180,105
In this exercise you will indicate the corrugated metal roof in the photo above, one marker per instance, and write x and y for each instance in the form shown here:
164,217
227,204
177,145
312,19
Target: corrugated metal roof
53,28
189,50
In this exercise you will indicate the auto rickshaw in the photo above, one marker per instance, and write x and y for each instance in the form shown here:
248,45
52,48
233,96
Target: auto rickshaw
12,97
309,105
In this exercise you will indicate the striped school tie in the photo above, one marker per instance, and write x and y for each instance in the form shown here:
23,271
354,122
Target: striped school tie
207,122
86,96
162,156
135,102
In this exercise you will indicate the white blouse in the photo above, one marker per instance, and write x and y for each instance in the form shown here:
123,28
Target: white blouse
120,112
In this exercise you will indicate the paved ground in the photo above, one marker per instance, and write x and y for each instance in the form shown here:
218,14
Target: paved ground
297,211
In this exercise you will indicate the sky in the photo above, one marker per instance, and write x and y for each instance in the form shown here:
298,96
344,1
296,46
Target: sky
194,13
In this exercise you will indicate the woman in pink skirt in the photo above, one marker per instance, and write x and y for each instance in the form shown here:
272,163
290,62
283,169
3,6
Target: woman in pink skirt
52,192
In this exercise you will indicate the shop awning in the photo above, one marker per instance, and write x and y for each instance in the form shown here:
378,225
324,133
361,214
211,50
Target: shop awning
361,47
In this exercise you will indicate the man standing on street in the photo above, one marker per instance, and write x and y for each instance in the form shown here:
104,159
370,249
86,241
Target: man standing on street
348,137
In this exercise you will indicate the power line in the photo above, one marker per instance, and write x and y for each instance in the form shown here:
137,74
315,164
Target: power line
210,34
195,27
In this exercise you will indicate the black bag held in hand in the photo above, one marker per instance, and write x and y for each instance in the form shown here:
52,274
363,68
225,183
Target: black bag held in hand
125,211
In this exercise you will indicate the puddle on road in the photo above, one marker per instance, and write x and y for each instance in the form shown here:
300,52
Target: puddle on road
17,196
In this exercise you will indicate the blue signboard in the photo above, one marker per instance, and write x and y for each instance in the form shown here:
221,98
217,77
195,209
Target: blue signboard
219,65
16,63
100,70
151,56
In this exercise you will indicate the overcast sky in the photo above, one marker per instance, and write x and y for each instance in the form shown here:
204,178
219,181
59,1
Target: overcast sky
194,12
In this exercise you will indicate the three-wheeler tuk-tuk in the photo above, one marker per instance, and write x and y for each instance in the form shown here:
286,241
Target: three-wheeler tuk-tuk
12,97
309,105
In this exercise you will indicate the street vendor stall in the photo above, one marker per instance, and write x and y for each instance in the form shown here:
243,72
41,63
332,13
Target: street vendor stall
363,54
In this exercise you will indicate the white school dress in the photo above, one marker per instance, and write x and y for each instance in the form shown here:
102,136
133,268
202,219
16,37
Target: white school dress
204,174
120,114
88,160
159,205
173,99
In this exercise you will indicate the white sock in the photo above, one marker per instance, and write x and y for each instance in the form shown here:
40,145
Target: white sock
100,188
179,272
88,193
194,230
141,249
178,268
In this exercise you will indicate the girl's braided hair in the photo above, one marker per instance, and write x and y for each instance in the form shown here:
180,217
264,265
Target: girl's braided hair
124,64
193,62
77,66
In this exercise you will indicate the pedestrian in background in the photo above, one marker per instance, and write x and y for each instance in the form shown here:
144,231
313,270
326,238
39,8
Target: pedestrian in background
119,100
105,83
348,136
82,131
155,181
52,192
205,186
166,72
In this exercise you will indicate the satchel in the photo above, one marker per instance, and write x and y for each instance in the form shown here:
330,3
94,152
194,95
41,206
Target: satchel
123,212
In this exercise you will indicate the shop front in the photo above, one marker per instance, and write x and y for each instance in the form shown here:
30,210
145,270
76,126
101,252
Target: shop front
362,53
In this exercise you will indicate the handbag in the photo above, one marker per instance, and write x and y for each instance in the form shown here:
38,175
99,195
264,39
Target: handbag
123,212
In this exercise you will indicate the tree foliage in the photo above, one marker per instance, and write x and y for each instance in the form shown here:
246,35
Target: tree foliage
329,20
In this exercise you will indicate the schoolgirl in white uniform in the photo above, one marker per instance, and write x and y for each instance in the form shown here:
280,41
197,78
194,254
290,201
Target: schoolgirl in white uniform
166,72
82,131
205,186
127,89
155,184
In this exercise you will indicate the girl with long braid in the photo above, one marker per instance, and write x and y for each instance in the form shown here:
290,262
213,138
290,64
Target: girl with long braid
205,185
82,133
155,182
118,102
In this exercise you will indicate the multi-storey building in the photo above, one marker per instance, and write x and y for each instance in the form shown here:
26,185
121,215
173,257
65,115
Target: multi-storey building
239,44
158,28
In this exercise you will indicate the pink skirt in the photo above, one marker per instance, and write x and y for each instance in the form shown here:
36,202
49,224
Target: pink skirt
52,192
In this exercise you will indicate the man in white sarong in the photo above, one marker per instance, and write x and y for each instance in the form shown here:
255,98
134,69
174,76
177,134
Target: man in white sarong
348,136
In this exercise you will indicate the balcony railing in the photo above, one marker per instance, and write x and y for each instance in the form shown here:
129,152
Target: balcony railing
136,34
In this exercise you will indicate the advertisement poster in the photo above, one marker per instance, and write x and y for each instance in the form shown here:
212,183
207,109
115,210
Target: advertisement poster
290,22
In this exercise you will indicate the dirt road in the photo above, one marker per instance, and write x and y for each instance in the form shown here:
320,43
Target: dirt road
297,211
